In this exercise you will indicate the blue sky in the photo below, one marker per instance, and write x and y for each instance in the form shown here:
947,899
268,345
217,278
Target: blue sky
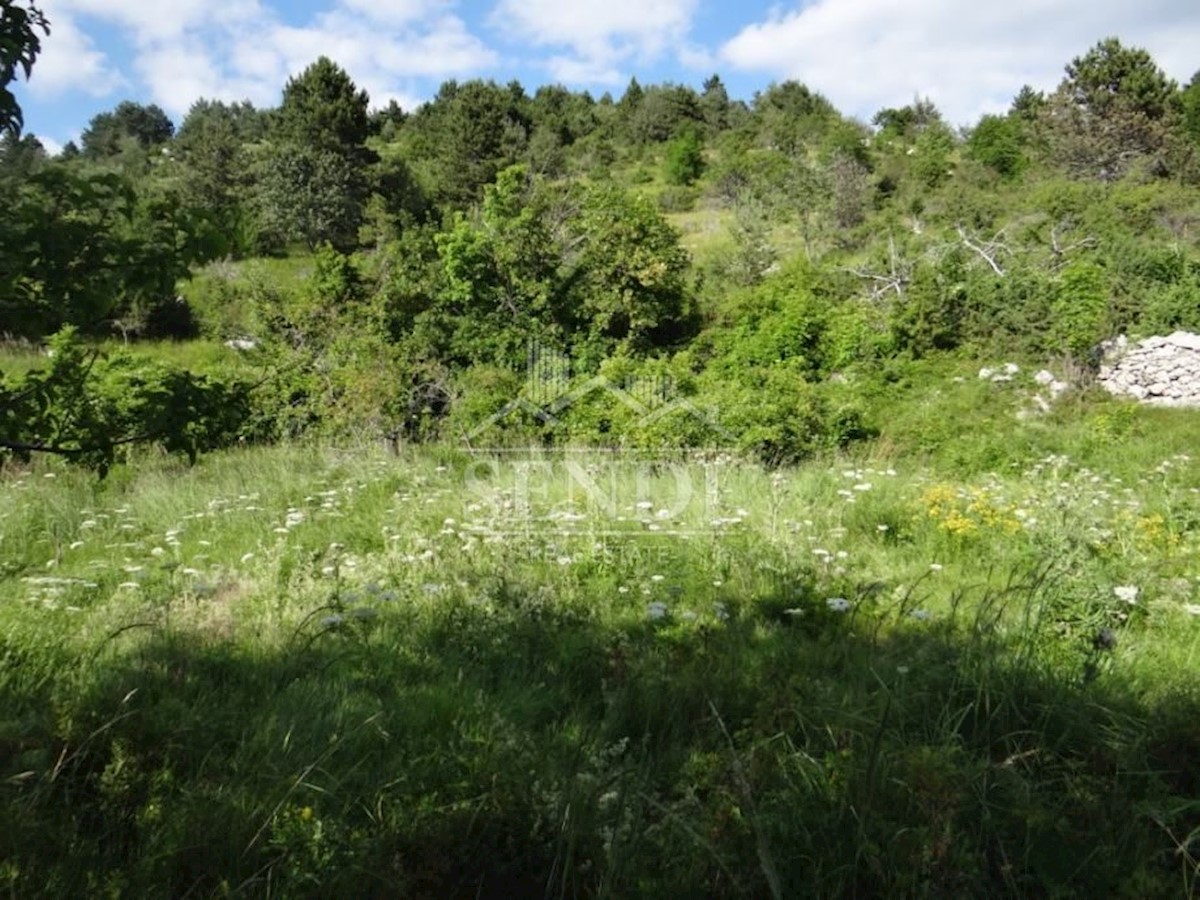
968,57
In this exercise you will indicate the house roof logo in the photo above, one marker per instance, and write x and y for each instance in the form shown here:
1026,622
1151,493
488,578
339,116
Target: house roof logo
549,393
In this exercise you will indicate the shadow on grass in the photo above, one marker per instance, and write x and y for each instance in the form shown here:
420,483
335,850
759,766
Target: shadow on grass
520,749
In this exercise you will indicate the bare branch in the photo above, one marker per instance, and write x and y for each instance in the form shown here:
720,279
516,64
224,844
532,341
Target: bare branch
988,252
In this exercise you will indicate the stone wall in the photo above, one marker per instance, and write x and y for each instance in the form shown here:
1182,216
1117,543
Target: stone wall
1164,371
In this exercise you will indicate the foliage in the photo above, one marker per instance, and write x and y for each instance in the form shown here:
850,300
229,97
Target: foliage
1080,309
108,133
685,159
20,45
311,195
1113,107
997,142
87,408
322,109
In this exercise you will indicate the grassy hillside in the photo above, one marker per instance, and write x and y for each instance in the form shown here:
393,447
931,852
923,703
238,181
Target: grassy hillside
964,670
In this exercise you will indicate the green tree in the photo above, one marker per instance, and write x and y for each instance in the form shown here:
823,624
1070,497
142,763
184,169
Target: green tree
1027,104
108,133
477,132
714,104
1190,103
324,110
997,142
630,269
1113,107
311,194
664,112
685,158
20,45
216,172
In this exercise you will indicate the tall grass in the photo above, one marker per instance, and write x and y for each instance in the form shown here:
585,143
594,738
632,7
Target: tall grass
317,671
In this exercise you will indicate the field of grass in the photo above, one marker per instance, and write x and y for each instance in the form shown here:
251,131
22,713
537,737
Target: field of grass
333,672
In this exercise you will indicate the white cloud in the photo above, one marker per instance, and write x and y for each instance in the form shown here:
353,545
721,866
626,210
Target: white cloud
52,147
969,59
599,35
240,49
69,61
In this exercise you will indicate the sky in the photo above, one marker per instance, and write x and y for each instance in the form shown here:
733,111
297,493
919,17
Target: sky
969,56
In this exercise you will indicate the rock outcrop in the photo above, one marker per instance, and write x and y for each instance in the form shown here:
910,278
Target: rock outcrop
1163,371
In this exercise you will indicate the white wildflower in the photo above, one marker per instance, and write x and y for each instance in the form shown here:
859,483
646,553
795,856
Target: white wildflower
838,604
1127,593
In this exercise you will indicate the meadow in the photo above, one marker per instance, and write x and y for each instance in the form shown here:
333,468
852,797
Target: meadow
958,661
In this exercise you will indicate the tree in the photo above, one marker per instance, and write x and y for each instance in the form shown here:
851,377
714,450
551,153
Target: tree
315,186
996,142
20,156
685,158
247,123
1111,79
216,171
1113,107
1190,102
478,134
107,134
323,109
630,269
664,111
78,246
20,45
311,194
1027,104
714,104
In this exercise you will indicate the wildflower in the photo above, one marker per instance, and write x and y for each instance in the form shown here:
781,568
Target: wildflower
75,545
881,528
333,621
1191,609
794,611
721,611
838,604
157,551
190,571
656,610
935,567
656,578
902,670
688,616
920,615
129,585
327,570
246,557
564,560
1127,593
623,590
